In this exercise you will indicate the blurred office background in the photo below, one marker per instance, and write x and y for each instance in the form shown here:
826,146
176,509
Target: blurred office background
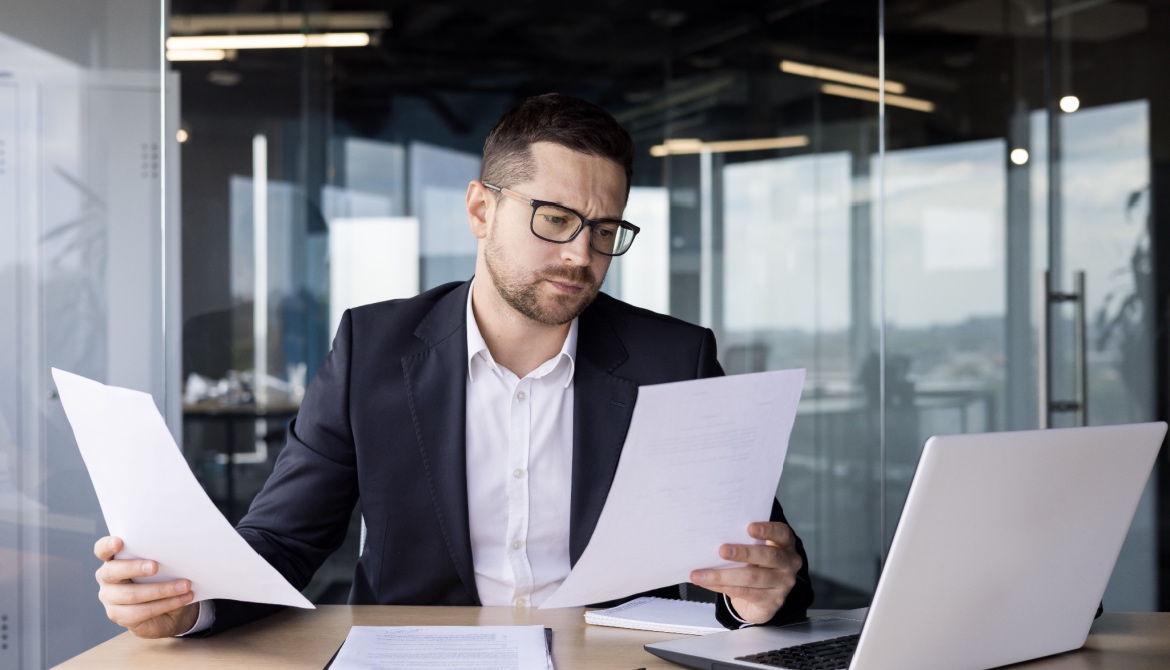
189,218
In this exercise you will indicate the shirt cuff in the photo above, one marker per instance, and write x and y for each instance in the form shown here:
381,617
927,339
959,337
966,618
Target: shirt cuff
733,613
207,617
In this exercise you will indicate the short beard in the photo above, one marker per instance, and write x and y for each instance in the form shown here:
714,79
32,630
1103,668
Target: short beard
524,295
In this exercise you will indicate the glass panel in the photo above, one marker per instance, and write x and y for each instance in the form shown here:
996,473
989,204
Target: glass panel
1106,222
83,252
1047,124
945,306
789,228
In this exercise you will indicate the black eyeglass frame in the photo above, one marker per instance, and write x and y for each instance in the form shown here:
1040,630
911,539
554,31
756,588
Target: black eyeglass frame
537,204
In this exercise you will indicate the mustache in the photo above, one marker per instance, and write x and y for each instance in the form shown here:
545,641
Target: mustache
577,274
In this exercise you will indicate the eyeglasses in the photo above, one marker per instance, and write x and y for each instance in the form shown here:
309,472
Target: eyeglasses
559,224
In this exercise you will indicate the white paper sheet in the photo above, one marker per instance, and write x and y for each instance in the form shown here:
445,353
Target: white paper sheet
446,647
151,500
701,461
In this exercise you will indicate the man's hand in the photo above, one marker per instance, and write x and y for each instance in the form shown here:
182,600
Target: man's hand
159,609
758,590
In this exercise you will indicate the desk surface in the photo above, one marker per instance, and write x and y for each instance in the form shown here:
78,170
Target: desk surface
308,638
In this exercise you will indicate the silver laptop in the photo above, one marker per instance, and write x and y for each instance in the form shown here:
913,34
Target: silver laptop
1002,554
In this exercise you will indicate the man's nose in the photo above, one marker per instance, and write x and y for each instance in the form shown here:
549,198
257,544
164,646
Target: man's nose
577,251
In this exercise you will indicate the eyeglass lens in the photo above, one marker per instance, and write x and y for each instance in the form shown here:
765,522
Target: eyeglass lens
557,224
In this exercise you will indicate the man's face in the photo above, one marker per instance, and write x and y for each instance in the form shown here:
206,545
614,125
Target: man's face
546,282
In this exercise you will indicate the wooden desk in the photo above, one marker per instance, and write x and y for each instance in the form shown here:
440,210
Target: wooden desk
307,639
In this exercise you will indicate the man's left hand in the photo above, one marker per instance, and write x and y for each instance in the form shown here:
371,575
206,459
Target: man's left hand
758,590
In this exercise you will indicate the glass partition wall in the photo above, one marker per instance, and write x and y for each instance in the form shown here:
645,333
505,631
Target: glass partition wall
88,283
1023,277
884,219
887,230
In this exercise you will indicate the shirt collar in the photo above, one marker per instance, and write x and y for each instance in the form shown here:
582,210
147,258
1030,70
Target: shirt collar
476,346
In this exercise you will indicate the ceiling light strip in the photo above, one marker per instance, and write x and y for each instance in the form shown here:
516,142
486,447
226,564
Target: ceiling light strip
193,24
196,54
829,74
917,104
274,41
693,146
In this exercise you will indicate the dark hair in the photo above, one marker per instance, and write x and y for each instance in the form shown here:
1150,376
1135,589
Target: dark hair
570,122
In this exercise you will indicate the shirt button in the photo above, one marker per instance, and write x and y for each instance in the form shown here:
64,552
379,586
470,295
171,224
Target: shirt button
517,544
517,473
520,602
521,396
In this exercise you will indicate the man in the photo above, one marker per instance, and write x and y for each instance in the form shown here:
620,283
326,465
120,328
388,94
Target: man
480,423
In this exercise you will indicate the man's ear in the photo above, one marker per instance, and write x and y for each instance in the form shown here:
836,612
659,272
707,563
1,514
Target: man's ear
480,206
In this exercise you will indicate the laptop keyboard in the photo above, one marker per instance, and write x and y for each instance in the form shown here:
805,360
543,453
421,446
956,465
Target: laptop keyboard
831,654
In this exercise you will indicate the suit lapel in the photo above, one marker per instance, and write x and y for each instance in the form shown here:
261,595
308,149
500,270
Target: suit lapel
603,405
436,381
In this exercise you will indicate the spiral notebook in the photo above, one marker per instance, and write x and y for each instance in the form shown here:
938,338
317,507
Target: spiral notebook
659,614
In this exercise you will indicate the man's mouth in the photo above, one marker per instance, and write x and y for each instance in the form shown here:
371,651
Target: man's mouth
567,287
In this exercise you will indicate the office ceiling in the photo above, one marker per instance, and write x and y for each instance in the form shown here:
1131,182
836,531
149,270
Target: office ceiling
627,55
672,68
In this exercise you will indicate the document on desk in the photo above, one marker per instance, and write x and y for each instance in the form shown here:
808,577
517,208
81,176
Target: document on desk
151,500
447,647
701,461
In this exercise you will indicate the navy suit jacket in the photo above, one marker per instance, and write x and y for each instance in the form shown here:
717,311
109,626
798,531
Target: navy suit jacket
384,421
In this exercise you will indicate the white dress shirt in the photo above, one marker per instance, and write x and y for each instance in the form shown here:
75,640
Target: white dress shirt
519,472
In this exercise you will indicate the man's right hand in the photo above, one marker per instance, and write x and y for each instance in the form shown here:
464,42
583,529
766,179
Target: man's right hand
157,609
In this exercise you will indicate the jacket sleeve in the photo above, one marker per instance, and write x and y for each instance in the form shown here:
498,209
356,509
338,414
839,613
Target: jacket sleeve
301,515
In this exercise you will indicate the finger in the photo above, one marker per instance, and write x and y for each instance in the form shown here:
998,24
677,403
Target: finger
749,577
772,531
136,594
763,555
107,547
113,572
774,597
129,616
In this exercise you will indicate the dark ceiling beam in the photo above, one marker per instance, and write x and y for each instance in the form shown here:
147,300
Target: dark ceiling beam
248,6
705,88
687,42
425,18
778,11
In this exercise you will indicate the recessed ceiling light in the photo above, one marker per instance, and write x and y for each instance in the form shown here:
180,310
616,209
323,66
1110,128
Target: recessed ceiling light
1070,104
1019,156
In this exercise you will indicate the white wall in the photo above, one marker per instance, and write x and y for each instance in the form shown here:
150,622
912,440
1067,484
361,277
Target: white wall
371,259
644,270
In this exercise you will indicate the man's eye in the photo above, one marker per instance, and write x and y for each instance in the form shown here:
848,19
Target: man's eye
604,233
557,220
